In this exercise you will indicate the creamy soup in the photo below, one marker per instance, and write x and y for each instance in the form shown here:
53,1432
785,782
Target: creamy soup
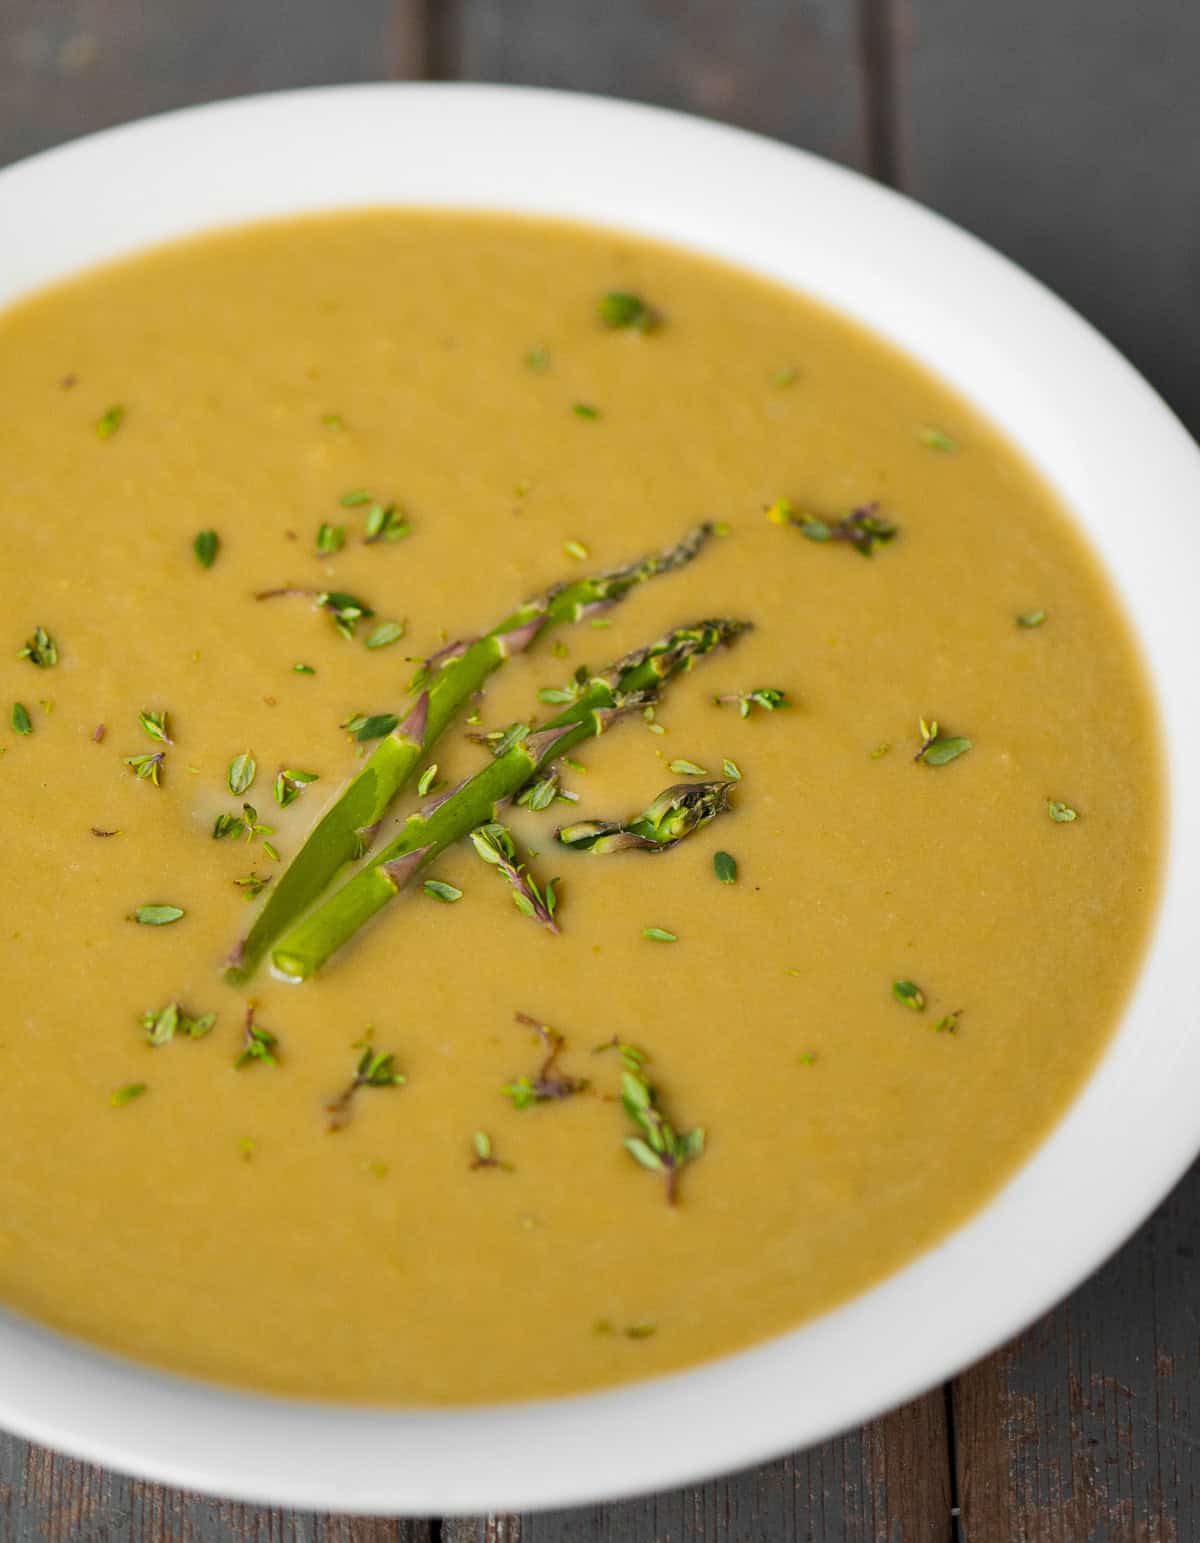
853,974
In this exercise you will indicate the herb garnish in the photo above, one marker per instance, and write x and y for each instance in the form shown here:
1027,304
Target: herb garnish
156,915
147,767
880,750
330,538
303,669
731,770
109,422
241,774
683,768
909,994
618,308
585,410
355,498
205,547
252,885
373,726
935,439
1031,618
537,359
446,893
577,550
949,1023
345,611
375,1069
386,634
155,724
163,1025
1060,813
290,783
494,843
386,523
769,698
20,719
40,649
862,528
258,1044
659,935
787,376
659,1146
546,1084
725,867
937,749
128,1093
481,1144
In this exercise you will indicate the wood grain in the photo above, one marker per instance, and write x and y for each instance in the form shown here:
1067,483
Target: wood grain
68,67
1087,1427
1068,134
790,68
887,1483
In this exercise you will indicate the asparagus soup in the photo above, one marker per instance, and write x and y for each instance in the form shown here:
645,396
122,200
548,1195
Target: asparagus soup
565,808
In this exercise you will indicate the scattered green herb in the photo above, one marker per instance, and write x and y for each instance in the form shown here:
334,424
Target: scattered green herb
128,1093
386,523
376,726
40,649
659,935
252,885
375,1069
332,421
658,1146
585,410
446,893
1060,813
935,439
290,783
576,549
547,1083
684,768
949,1023
537,359
731,770
303,669
109,422
156,915
330,538
880,750
386,634
205,547
938,749
147,767
1031,618
258,1044
494,844
909,994
20,720
427,779
162,1025
241,774
481,1145
725,867
619,309
787,376
155,724
345,611
769,698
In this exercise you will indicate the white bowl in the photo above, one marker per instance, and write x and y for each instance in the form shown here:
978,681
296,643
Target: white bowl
1101,437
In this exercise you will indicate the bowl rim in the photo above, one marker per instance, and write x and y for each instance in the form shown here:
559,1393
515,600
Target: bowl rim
1082,414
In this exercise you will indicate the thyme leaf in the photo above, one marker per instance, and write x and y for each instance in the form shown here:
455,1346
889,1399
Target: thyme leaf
40,649
156,915
375,1069
620,309
241,774
547,1083
258,1044
493,842
769,698
938,749
161,1025
658,1145
205,547
1060,813
909,994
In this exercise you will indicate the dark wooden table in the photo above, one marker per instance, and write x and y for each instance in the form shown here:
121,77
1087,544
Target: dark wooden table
1066,132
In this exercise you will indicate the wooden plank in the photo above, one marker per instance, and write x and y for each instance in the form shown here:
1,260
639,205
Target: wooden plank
1068,134
1088,1425
70,66
888,1483
785,67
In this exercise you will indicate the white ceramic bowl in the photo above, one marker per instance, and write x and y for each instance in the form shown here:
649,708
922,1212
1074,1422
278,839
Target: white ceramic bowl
1096,431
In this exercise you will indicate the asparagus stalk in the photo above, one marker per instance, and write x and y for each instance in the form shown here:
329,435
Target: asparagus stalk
632,682
674,814
449,679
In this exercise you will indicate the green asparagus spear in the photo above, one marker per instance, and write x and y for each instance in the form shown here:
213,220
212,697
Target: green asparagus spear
633,682
447,681
674,814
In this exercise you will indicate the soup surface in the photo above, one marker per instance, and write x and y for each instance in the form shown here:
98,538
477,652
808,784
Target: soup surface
873,1012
